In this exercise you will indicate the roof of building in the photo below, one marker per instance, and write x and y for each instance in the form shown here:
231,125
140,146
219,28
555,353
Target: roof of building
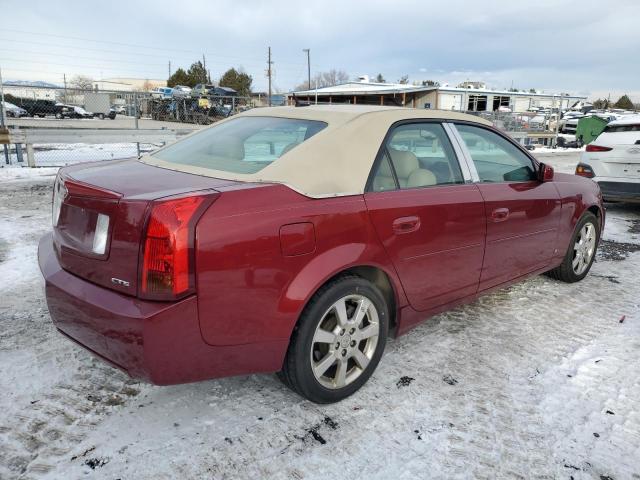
334,162
371,88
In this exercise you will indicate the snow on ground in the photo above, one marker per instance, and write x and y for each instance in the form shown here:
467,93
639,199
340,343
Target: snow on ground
539,380
557,151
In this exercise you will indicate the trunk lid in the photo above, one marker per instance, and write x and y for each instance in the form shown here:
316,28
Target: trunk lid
122,192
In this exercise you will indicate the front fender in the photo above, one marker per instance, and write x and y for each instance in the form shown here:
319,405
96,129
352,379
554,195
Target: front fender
577,195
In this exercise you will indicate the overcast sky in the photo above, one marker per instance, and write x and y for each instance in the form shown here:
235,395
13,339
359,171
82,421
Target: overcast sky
577,46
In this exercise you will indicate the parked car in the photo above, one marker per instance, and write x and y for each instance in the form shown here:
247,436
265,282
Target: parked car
120,109
14,111
71,111
161,92
295,240
203,89
101,115
34,107
180,91
612,160
569,122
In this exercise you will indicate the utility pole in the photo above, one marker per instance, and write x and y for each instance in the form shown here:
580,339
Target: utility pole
269,63
169,70
3,118
308,52
204,66
64,77
555,145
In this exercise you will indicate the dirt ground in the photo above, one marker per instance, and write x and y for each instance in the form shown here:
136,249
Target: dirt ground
539,380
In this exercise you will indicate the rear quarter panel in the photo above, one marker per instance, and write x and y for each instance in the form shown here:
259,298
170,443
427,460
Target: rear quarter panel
249,291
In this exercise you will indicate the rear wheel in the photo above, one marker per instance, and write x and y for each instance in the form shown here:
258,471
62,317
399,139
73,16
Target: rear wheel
581,253
338,341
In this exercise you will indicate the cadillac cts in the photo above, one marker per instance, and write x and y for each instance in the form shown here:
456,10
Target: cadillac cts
295,240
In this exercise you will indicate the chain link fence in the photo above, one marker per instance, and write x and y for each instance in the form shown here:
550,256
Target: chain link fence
29,107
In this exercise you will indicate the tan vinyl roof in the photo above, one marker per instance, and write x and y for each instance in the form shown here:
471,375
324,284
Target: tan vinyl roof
334,162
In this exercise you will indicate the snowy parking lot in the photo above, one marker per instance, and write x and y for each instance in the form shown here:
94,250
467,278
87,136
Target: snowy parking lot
540,380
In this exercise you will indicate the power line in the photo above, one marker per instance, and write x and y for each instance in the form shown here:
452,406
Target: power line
217,63
123,44
93,67
22,52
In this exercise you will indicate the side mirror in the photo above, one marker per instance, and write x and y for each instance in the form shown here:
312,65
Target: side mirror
545,172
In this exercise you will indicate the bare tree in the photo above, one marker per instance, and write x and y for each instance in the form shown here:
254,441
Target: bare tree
325,79
82,82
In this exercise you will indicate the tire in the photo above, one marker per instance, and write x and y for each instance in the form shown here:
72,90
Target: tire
59,116
322,341
581,253
101,116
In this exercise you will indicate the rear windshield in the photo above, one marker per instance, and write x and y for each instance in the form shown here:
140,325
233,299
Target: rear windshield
241,145
622,128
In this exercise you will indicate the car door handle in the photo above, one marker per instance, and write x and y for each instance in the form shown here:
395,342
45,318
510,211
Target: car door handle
406,224
500,214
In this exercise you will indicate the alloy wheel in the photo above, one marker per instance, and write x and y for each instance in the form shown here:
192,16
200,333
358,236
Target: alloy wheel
344,341
584,248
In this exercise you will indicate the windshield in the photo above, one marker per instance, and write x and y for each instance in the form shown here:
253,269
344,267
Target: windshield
241,145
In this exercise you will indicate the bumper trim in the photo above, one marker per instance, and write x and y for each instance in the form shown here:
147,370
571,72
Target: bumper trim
620,191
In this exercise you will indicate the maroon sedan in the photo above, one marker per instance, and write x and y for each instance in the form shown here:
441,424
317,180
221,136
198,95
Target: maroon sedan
295,240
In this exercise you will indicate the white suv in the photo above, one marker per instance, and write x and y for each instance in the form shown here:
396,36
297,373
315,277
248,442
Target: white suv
613,160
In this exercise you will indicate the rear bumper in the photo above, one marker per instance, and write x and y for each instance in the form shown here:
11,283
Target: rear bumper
154,341
620,191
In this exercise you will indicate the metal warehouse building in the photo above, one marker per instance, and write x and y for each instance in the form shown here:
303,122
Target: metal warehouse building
437,97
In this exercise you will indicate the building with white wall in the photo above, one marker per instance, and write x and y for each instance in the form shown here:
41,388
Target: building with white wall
435,97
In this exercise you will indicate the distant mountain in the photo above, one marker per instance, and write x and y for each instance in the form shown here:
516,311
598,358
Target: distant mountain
30,83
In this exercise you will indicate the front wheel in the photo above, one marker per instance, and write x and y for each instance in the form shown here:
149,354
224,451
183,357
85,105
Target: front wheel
338,341
581,253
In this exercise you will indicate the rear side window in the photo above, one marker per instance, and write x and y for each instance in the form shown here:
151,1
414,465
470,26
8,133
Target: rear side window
622,128
496,159
241,145
417,155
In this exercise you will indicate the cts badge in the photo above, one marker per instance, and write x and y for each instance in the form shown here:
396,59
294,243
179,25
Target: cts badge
121,283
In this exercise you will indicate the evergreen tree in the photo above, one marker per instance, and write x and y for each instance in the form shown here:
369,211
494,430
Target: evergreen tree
238,80
380,78
179,77
624,102
197,74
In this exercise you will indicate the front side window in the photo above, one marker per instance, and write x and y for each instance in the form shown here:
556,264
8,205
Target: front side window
241,145
496,159
417,155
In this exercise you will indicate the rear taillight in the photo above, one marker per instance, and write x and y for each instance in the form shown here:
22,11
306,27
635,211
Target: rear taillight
585,170
59,194
598,148
167,270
